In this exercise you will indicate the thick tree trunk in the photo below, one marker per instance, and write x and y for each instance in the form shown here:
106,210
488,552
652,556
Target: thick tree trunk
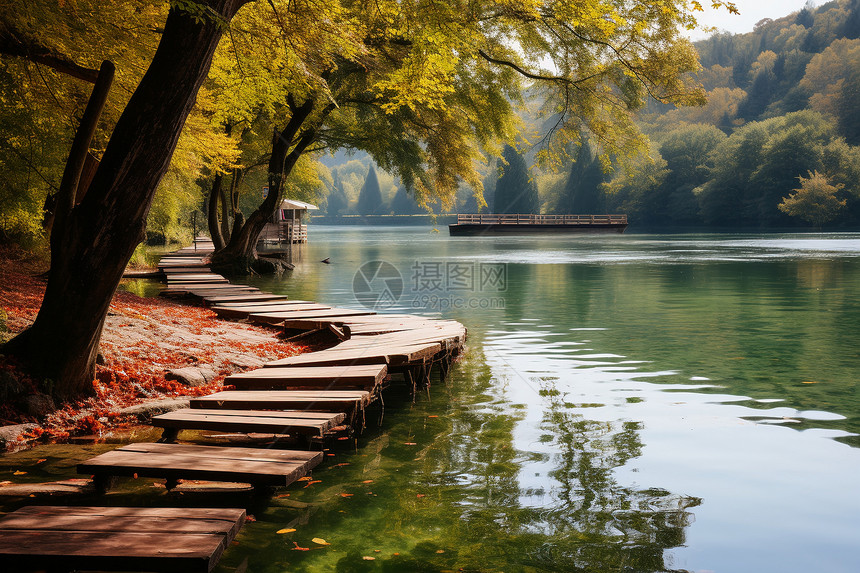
92,247
215,194
225,216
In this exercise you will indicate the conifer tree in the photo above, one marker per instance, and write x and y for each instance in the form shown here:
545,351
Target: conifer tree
370,196
515,192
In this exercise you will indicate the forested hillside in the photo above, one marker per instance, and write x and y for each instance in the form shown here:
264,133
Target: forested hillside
782,115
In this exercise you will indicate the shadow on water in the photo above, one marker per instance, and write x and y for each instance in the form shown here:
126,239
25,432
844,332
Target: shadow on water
439,488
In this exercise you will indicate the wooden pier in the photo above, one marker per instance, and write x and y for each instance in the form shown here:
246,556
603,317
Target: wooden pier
530,223
307,396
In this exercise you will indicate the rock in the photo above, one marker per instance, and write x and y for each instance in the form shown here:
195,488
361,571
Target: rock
191,375
38,405
146,410
10,434
10,386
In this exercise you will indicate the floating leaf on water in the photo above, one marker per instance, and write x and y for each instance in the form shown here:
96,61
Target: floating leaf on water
320,541
19,473
298,548
440,551
432,416
306,478
346,495
312,482
409,444
369,558
285,530
811,382
367,481
39,461
421,495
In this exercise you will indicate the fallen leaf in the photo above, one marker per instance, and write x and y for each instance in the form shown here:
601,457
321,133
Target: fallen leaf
346,495
19,473
811,382
330,454
367,481
320,541
432,416
339,465
440,551
312,482
409,444
306,478
395,554
343,438
369,558
421,495
39,461
250,518
298,548
377,550
285,530
282,495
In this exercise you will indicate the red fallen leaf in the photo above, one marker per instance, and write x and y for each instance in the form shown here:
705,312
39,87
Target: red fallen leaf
339,465
298,548
330,455
39,461
313,481
421,495
367,481
135,475
346,495
409,444
432,416
282,495
343,438
250,518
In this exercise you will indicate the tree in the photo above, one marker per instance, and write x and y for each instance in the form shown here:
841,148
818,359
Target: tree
337,202
583,193
814,201
515,191
370,196
425,102
92,242
404,204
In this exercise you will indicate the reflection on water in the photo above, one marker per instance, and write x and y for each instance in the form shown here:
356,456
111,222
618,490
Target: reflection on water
637,403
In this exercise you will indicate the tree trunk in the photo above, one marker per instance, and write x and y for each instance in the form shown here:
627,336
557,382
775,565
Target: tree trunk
90,250
215,193
240,254
225,216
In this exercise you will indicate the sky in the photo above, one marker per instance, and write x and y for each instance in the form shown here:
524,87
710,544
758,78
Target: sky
751,12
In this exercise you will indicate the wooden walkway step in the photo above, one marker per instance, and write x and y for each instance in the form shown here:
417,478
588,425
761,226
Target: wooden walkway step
239,298
182,461
242,312
278,317
347,401
116,538
247,421
364,377
337,356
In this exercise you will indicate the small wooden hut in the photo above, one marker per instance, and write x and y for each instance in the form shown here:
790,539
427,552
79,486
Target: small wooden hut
287,226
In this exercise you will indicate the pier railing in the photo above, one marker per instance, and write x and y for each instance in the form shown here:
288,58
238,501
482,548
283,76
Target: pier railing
531,219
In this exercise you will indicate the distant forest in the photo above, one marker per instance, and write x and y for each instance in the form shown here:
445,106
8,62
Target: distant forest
777,144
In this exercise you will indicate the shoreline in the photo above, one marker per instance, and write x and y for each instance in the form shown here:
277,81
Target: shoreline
144,340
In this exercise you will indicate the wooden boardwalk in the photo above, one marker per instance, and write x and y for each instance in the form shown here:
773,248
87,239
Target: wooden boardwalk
309,395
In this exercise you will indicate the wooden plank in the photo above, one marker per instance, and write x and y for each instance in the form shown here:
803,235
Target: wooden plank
230,311
247,421
277,317
393,356
182,461
259,297
117,538
359,376
314,400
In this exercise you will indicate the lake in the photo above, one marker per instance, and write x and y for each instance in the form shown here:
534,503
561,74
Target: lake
626,403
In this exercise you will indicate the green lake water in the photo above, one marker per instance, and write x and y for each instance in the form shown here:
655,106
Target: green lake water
626,403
